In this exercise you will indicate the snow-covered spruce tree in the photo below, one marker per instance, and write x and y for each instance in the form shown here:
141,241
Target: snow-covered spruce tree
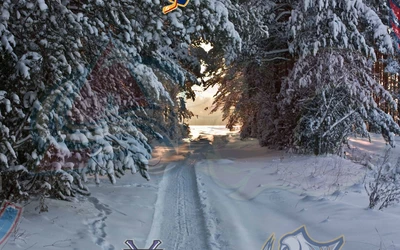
336,42
243,88
264,75
60,119
329,97
352,25
249,87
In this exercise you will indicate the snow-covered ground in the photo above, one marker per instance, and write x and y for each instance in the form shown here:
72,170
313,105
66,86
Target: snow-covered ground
218,192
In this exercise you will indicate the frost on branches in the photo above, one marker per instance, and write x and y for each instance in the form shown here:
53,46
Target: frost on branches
344,24
85,86
242,86
328,87
328,97
383,185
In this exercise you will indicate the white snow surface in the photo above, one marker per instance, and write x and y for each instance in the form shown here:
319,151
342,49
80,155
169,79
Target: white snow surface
215,191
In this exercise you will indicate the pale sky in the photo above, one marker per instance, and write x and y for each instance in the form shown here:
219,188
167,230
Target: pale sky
204,99
210,92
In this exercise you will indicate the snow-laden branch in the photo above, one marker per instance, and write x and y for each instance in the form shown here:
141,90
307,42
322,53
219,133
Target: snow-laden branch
338,122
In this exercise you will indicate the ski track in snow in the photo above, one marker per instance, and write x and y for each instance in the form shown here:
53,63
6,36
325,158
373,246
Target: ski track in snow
236,197
183,227
97,226
180,220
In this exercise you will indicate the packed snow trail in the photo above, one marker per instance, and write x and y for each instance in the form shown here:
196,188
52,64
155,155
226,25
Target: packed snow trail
179,220
237,197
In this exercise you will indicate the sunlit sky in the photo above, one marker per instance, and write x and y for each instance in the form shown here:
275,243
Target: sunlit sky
199,90
204,99
210,92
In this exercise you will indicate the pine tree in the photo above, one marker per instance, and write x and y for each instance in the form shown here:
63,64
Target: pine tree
352,25
69,101
328,98
290,113
329,93
242,83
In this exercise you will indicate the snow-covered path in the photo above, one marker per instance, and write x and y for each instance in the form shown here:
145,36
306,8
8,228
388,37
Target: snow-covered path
182,224
179,219
219,192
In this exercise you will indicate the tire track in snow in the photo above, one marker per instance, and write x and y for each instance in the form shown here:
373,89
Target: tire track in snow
183,226
179,220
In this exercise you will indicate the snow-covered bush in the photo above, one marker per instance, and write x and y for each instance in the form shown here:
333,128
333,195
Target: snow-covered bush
384,188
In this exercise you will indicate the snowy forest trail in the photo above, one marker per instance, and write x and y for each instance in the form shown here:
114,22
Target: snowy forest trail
219,192
193,211
181,224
